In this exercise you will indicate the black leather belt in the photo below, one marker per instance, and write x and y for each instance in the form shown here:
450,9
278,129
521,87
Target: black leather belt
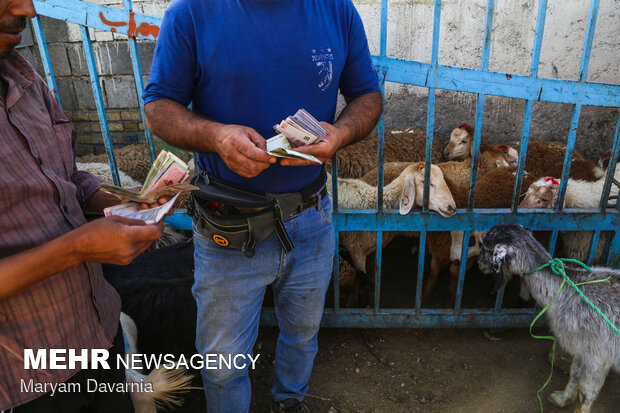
313,201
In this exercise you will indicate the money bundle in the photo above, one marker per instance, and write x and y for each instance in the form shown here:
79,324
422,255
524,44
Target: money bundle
165,178
300,129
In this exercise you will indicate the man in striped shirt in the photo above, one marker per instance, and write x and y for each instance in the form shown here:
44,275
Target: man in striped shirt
52,292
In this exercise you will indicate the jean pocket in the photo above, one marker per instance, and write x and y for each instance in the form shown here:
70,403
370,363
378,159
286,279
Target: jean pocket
325,209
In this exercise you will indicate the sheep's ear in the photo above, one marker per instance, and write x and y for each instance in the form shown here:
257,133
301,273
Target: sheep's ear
500,255
407,195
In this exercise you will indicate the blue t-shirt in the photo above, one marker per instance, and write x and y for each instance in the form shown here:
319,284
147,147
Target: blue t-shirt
253,63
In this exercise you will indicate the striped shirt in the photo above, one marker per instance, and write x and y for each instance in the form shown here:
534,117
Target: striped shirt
41,198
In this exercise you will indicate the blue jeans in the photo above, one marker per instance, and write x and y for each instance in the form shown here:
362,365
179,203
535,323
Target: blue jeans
229,290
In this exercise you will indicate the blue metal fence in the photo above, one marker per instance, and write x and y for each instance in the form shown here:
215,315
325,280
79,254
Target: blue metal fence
433,76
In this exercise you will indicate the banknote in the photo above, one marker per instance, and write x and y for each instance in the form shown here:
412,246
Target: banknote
280,147
149,216
166,177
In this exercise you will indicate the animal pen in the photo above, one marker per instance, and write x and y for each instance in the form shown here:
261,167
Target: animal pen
433,76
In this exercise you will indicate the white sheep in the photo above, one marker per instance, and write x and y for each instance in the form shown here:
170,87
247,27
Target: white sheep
579,194
102,170
403,192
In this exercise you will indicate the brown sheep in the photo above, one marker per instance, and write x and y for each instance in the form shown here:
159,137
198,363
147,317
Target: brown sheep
493,190
583,169
458,172
134,160
403,144
539,154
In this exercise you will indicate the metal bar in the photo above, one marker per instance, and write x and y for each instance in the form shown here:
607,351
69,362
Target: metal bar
103,121
499,298
613,259
611,168
392,318
137,76
462,267
381,127
568,157
505,84
553,240
336,273
484,65
100,17
420,276
379,255
529,105
45,57
593,246
430,114
479,220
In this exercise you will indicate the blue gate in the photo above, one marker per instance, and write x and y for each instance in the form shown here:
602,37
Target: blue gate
432,76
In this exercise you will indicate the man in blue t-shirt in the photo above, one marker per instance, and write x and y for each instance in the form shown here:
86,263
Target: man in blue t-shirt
245,65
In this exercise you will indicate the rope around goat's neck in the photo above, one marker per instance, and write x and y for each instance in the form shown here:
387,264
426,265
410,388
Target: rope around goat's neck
557,266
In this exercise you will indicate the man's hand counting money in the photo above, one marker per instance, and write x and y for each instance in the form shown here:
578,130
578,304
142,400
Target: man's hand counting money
243,150
323,149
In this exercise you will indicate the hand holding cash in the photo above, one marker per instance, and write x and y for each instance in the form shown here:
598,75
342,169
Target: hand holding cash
300,129
165,179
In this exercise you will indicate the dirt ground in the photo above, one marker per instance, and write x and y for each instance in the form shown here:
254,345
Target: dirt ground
430,371
423,370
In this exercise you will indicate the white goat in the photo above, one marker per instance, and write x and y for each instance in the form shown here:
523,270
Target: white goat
403,192
509,250
167,385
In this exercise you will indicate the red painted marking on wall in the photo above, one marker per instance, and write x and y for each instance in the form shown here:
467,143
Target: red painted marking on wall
110,23
144,29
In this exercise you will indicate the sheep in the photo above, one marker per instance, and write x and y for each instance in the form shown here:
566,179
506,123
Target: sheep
134,160
461,146
458,172
579,194
510,249
405,144
603,160
493,190
102,170
403,192
582,169
539,154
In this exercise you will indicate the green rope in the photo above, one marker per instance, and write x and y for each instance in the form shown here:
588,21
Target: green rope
557,266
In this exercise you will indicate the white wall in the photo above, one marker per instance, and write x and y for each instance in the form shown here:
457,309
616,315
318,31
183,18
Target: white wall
462,25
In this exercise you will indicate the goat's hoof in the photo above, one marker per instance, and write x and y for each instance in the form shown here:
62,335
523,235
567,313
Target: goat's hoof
558,399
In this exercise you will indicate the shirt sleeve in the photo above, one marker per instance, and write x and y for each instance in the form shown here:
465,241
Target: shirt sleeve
359,76
174,60
86,183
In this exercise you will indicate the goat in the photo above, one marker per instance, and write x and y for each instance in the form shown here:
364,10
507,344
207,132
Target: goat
167,385
493,190
403,192
403,144
510,249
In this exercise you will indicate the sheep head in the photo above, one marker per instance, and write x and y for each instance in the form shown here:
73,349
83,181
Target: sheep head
461,143
439,199
542,194
490,160
511,155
